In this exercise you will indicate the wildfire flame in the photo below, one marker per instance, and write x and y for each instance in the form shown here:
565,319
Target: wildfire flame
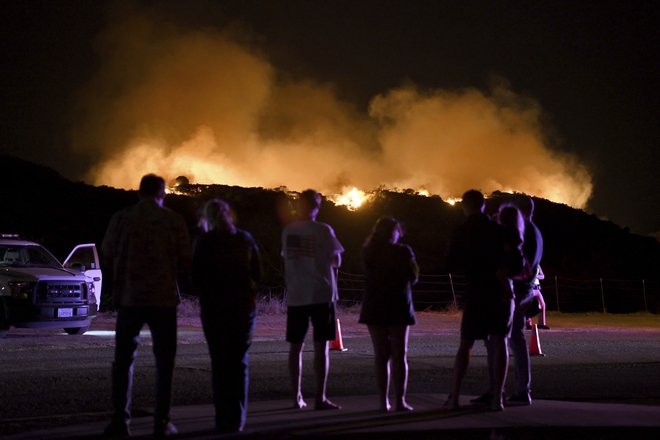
352,198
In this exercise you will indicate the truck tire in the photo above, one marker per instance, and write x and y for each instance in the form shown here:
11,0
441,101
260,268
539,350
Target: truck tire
76,330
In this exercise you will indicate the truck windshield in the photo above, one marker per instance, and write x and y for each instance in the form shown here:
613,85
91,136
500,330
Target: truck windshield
26,256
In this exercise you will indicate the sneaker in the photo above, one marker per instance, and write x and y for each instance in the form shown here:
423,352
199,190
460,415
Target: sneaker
164,428
117,429
543,327
520,400
484,399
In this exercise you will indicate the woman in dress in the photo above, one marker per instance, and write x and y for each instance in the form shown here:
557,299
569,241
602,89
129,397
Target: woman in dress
390,269
225,270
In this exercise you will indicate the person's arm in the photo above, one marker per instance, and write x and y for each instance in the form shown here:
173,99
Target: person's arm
334,246
336,260
414,267
415,270
256,267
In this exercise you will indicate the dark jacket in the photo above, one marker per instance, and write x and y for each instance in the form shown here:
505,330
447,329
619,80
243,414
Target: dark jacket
146,245
477,250
226,268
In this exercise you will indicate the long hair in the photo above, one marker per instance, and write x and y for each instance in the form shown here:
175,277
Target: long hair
217,215
510,217
383,231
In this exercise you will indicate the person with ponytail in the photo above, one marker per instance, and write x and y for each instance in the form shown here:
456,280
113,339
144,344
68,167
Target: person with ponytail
226,268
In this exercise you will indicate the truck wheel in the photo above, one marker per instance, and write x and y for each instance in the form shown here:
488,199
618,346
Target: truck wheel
76,330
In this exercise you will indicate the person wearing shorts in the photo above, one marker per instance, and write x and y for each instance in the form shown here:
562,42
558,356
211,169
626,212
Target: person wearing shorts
322,317
477,250
312,255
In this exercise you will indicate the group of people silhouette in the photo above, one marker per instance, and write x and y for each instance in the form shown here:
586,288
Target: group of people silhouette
500,260
147,245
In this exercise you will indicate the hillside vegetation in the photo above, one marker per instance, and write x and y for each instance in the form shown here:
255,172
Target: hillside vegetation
41,205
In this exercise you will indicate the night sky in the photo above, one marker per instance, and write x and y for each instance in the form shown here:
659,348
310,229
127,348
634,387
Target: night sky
593,67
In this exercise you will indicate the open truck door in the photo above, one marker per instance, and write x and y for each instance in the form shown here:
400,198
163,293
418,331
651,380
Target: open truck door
85,259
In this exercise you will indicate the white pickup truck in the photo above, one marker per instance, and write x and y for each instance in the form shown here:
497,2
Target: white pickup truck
37,291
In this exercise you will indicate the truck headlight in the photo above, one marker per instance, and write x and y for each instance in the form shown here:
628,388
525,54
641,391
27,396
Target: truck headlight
19,289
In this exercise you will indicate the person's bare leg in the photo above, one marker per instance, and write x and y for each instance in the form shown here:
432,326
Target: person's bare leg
500,368
321,367
541,320
295,374
381,343
399,344
461,363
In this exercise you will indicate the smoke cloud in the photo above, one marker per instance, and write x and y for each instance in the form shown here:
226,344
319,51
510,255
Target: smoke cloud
206,105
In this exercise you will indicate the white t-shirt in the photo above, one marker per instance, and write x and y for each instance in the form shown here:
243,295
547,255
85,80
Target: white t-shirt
309,248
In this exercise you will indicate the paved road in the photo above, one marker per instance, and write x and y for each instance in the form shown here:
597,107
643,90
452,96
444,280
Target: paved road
46,375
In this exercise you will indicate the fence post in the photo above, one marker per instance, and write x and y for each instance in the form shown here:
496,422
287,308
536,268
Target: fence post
644,293
557,293
602,295
451,283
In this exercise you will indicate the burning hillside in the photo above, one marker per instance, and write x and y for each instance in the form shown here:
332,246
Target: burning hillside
209,107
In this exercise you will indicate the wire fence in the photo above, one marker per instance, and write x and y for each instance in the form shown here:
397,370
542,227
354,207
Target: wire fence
439,292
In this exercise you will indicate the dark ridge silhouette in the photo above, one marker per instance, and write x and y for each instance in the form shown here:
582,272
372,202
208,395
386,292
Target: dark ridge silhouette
40,204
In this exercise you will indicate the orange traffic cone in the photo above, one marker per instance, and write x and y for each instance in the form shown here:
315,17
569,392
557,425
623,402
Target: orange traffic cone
535,343
337,344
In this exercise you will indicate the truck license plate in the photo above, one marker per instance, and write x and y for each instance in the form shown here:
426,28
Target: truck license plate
64,313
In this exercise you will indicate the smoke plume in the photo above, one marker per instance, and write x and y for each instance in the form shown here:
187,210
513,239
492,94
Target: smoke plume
204,104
